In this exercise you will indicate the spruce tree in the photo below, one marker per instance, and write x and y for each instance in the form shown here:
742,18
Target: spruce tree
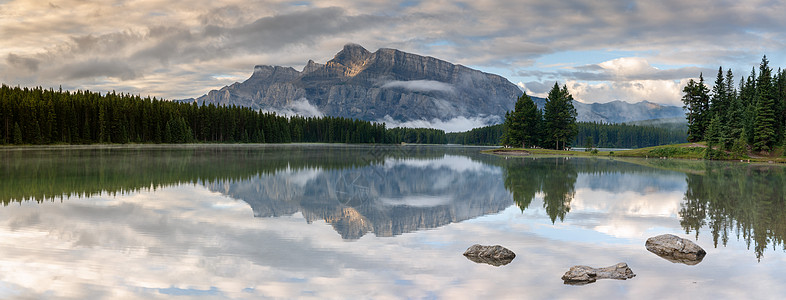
522,125
696,102
559,118
764,135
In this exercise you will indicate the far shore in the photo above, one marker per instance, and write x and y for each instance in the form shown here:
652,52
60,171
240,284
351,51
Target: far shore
690,151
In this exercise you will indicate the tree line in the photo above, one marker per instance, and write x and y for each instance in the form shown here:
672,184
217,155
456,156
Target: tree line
750,116
47,116
603,135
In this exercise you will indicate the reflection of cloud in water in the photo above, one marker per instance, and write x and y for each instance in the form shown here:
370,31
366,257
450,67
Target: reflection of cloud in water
143,246
451,162
189,240
416,201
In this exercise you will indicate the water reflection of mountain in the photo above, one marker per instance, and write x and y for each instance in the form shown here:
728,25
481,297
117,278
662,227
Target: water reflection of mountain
390,190
395,197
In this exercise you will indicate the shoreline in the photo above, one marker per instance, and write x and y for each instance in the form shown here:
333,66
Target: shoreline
687,151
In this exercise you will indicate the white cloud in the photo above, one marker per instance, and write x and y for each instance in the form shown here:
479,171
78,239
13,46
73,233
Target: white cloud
299,107
421,86
656,91
456,124
172,50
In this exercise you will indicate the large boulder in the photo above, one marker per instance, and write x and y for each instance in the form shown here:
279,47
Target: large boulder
581,275
493,255
675,249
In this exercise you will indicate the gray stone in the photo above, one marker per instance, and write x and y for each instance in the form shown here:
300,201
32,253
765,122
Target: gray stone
493,255
580,275
675,249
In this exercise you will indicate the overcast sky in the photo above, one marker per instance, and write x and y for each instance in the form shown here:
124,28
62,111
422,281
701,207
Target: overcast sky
603,50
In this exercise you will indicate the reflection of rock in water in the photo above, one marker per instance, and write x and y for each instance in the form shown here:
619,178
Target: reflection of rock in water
675,249
581,275
493,255
389,199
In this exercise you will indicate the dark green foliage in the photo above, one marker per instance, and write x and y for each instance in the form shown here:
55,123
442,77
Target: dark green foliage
754,115
764,123
416,136
38,116
697,106
559,118
488,135
627,136
523,124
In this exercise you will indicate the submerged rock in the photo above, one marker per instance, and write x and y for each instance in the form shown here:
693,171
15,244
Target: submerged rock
493,255
675,249
581,275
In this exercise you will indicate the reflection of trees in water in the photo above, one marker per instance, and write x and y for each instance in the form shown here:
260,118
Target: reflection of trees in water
733,199
554,177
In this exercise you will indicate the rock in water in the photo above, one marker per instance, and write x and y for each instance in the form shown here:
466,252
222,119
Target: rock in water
493,255
675,249
581,275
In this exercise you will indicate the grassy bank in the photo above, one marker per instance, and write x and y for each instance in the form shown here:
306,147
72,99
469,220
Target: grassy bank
680,151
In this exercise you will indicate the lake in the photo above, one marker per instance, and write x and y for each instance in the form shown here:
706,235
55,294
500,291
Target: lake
378,222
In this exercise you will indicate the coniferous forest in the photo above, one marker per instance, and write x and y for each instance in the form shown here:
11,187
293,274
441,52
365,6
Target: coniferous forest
748,116
601,135
40,116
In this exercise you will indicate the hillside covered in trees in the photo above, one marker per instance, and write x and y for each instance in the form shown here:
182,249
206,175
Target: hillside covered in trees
750,117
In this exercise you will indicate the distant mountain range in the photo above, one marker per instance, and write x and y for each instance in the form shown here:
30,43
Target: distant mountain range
394,86
621,112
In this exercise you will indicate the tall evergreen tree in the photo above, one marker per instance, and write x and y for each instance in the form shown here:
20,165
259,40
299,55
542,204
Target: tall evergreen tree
522,125
559,118
764,135
697,106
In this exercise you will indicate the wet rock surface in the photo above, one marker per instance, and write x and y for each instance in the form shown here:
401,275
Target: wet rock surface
493,255
581,275
675,249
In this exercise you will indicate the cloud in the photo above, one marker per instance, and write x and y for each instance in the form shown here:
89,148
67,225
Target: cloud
172,50
657,91
456,124
421,86
629,79
26,63
299,107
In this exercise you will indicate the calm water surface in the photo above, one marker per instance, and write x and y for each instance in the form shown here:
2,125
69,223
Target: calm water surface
356,222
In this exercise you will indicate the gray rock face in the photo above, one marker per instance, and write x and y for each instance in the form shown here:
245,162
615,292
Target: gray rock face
580,275
360,84
493,255
675,249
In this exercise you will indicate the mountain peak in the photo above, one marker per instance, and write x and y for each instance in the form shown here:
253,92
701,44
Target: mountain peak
351,53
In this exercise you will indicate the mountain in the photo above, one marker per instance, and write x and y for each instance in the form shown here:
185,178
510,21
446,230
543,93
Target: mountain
388,199
374,86
622,112
394,86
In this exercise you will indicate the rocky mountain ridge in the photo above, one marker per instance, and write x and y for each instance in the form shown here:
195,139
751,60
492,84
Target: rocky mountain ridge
394,86
360,84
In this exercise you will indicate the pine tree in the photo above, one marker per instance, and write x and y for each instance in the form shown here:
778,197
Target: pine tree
522,125
559,118
764,135
697,105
